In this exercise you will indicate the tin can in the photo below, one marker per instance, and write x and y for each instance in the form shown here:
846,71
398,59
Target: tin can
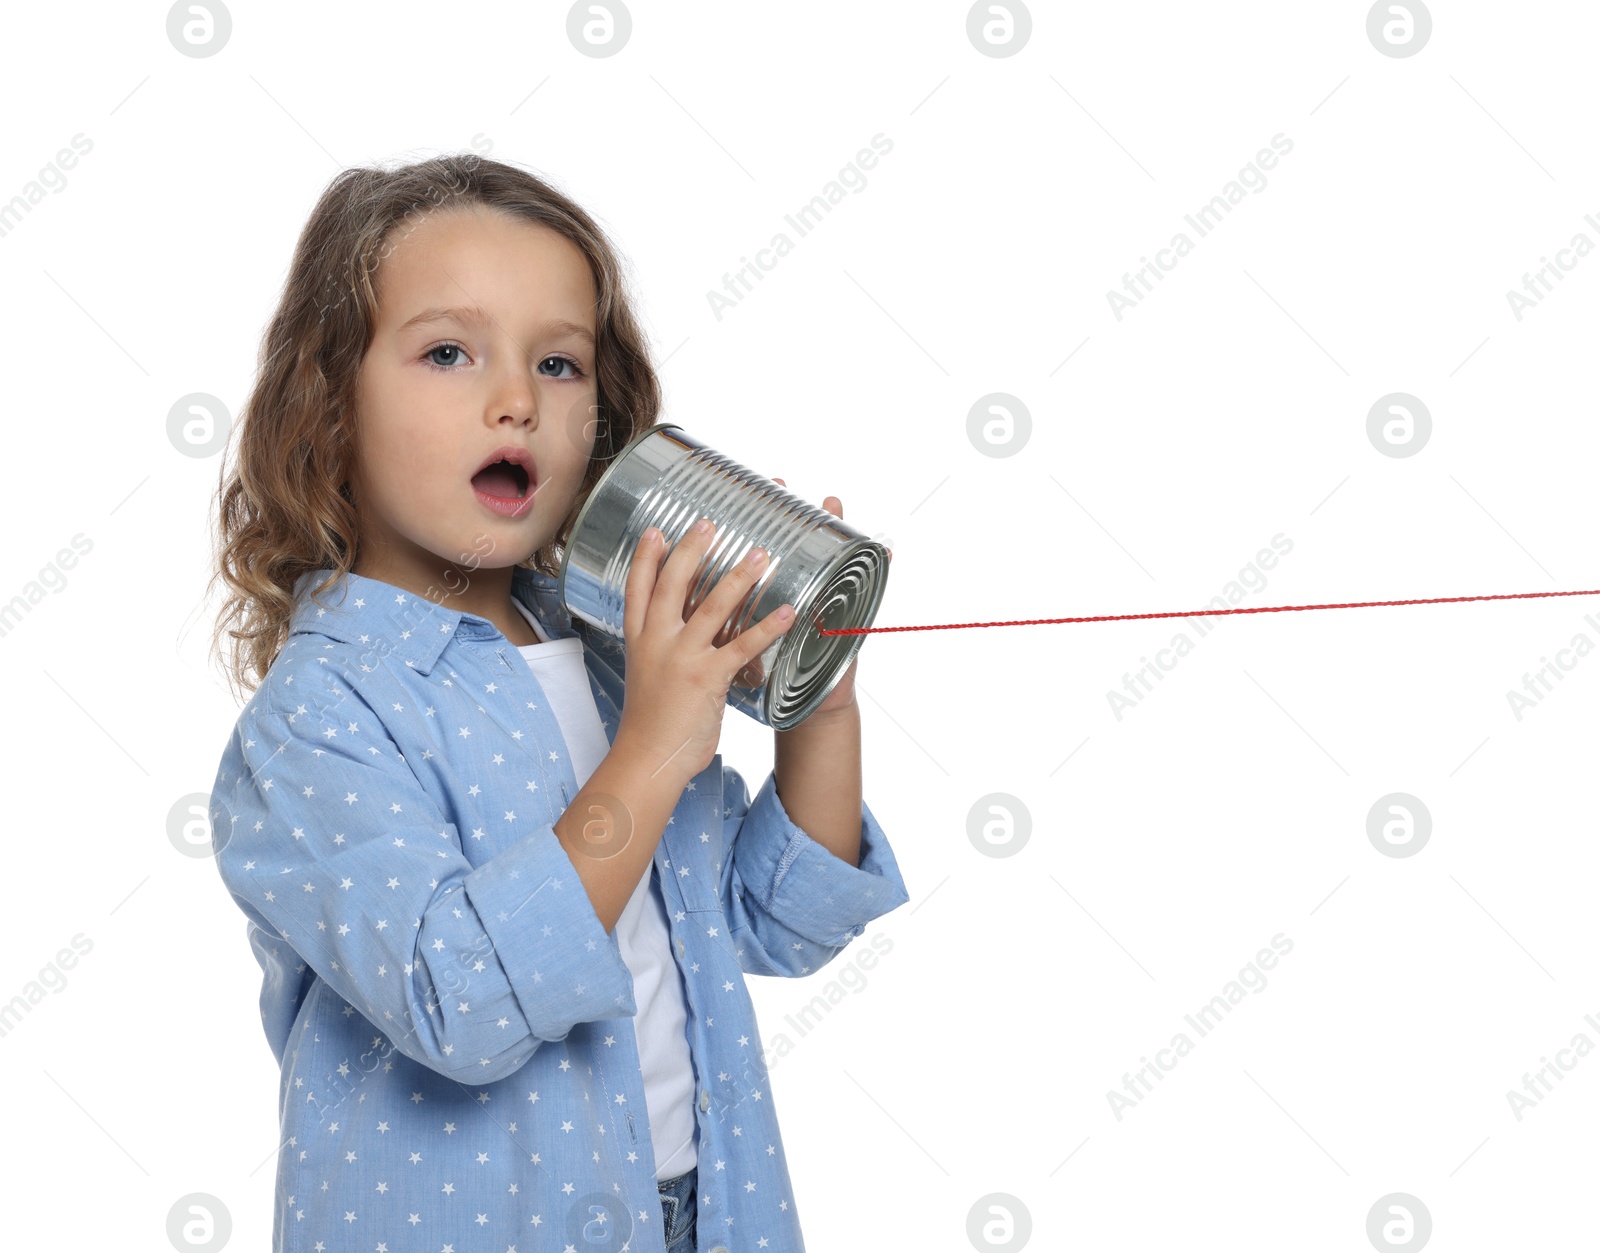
832,574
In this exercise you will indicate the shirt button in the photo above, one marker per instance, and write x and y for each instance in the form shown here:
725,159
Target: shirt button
680,948
705,1100
721,1248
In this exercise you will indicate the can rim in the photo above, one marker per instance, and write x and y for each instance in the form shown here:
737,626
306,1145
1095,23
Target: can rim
577,523
790,643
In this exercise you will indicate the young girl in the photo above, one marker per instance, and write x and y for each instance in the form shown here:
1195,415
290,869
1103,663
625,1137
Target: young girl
502,909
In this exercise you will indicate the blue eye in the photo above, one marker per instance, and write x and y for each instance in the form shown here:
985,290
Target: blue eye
577,371
427,357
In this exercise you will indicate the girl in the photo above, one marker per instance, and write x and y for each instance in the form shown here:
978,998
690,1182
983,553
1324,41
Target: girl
502,908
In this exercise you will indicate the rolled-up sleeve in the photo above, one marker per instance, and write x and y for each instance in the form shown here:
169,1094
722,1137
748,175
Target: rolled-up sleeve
330,844
792,904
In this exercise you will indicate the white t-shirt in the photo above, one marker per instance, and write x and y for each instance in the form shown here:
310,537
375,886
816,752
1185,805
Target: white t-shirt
642,935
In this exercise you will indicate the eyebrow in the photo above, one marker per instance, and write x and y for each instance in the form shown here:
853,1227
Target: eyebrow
473,315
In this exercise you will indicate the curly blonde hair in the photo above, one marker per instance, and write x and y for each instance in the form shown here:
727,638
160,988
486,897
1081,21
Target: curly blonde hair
283,507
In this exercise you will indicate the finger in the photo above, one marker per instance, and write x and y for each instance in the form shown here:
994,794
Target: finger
749,645
672,586
640,583
723,601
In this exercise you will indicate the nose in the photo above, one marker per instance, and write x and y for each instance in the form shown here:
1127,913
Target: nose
515,401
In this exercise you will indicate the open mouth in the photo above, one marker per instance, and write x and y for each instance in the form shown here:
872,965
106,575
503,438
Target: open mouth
505,479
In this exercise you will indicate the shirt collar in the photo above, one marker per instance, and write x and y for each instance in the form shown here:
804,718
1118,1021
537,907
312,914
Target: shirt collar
371,613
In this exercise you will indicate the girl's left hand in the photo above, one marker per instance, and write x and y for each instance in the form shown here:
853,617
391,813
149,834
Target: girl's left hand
843,696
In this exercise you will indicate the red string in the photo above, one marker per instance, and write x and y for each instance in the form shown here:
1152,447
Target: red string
1197,613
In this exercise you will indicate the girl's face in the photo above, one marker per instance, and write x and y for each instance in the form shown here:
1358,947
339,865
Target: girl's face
484,341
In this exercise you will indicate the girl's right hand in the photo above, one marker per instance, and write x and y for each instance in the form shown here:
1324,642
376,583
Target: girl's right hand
676,686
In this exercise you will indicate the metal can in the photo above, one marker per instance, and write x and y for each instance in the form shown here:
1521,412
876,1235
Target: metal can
831,573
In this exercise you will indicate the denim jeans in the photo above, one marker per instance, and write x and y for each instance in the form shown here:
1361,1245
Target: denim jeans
678,1201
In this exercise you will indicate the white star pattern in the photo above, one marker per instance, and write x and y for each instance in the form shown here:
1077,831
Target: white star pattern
496,983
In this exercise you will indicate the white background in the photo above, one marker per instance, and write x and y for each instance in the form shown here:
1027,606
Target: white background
1230,406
